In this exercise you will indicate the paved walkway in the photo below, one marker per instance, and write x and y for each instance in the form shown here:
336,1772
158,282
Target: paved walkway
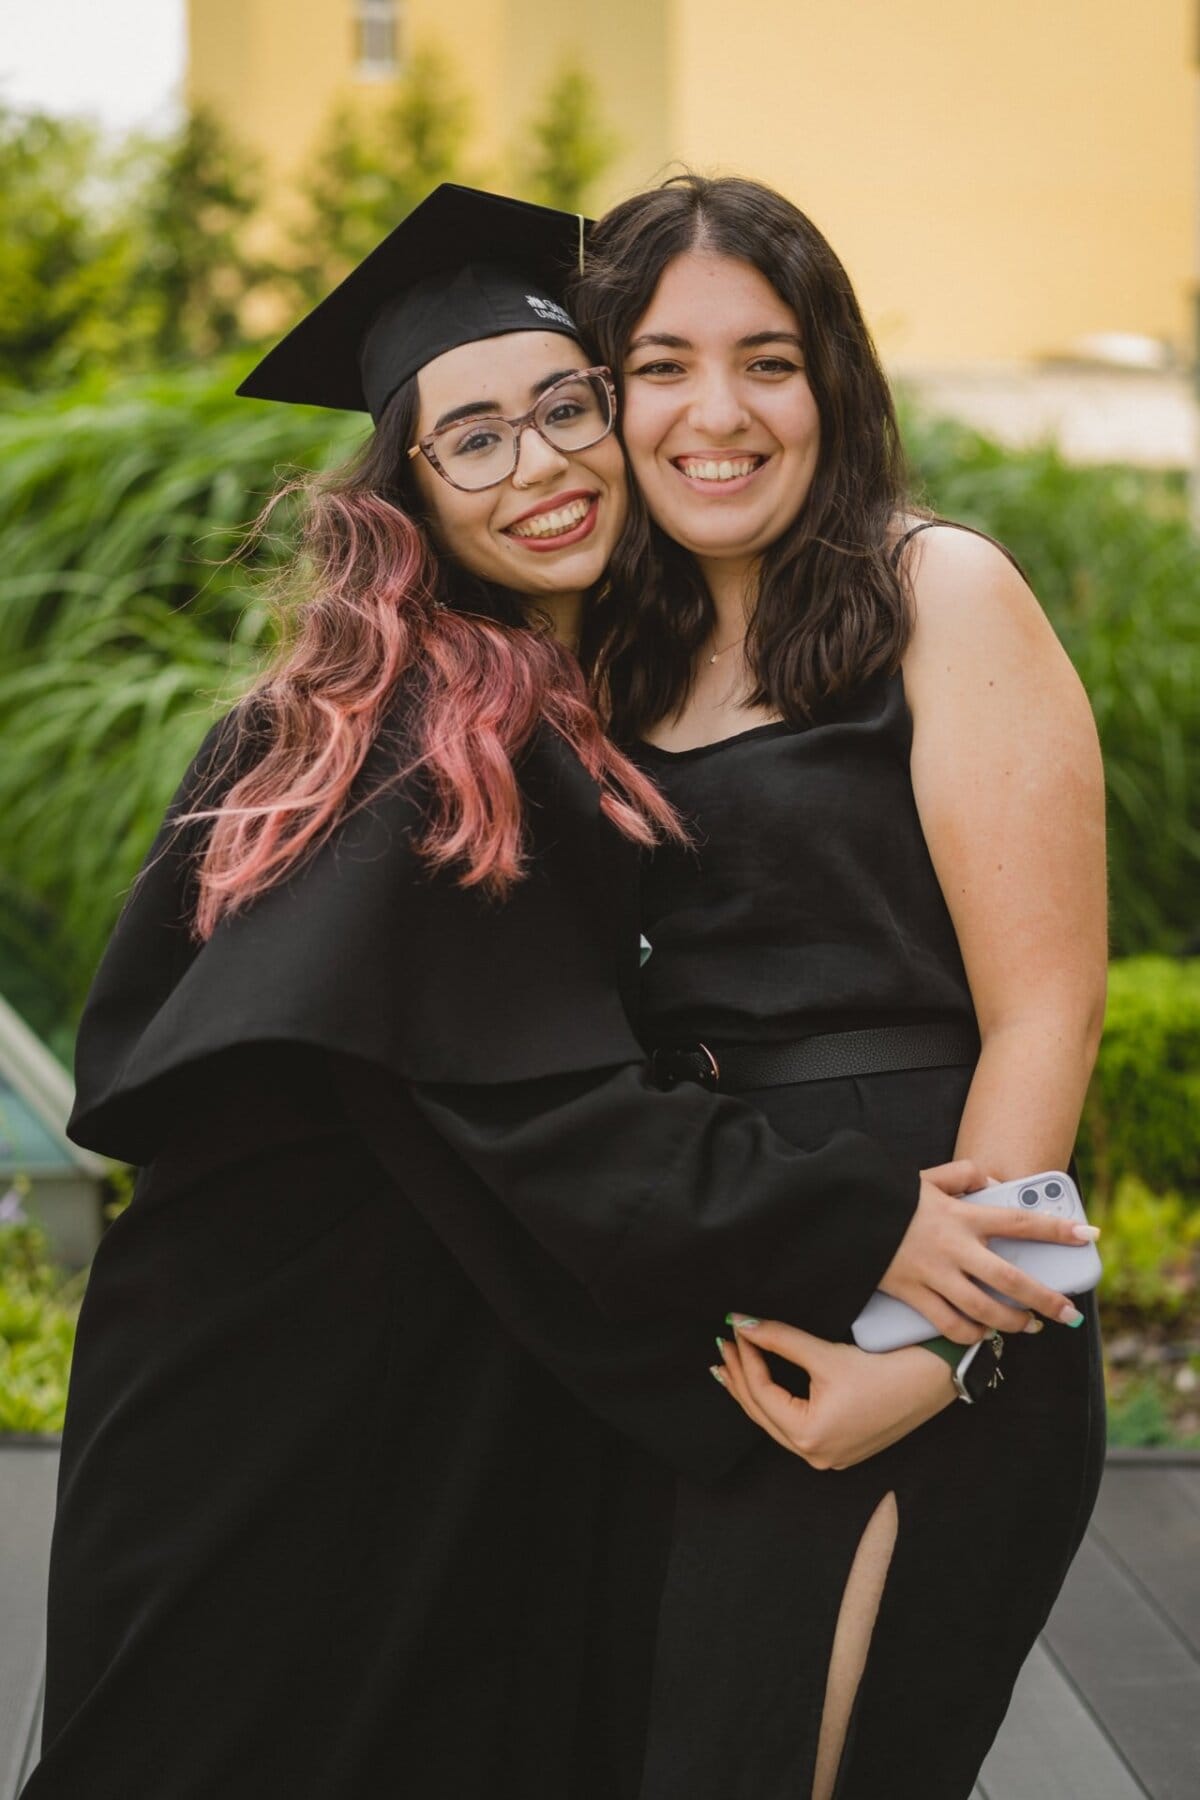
27,1476
1108,1705
1107,1708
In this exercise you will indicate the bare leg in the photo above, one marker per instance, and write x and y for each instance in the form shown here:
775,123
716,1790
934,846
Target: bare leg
852,1639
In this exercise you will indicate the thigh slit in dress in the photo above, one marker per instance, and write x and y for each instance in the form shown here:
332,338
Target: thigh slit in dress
810,904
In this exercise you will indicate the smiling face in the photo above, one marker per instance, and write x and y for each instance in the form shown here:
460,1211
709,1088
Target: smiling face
548,530
719,421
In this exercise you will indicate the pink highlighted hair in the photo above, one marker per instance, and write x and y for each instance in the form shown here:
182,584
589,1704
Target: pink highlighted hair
380,606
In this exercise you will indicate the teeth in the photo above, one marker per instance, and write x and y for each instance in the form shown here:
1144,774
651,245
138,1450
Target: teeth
699,470
552,524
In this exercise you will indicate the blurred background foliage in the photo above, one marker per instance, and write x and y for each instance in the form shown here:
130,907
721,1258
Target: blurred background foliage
119,255
133,254
39,1306
123,627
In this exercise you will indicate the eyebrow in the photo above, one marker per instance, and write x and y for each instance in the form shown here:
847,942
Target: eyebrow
548,381
470,410
490,409
666,341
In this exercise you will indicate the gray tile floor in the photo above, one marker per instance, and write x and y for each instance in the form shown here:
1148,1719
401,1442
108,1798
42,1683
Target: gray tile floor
27,1477
1107,1707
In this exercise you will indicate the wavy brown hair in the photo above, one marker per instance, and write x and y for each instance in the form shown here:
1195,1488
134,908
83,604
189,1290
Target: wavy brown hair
830,610
369,605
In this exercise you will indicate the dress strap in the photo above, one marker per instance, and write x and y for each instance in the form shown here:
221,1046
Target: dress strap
954,525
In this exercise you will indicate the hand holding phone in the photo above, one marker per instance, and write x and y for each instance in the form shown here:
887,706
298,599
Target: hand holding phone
886,1323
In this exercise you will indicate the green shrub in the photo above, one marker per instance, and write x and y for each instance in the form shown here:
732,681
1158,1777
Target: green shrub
1149,1407
1140,1417
1112,556
1140,1119
1151,1248
37,1332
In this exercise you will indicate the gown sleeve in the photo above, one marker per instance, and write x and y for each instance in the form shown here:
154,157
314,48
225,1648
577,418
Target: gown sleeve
663,1205
648,1380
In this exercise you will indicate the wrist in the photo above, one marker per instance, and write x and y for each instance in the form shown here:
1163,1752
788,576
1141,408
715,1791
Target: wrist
974,1368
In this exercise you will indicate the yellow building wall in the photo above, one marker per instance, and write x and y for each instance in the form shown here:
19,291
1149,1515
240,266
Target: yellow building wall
623,46
275,69
1001,179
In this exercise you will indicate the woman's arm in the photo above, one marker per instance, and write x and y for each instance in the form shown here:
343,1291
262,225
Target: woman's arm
1009,786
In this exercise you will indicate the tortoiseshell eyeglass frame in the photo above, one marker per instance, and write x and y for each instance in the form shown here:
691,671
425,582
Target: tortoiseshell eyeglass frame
427,446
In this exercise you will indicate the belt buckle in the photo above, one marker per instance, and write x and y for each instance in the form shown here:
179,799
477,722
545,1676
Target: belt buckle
691,1063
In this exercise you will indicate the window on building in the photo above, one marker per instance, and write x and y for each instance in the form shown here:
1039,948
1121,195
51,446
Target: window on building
376,38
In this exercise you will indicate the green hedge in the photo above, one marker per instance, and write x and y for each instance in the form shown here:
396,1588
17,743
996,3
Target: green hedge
1139,1152
1140,1120
38,1311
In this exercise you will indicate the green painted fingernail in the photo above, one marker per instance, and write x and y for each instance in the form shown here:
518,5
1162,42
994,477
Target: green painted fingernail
741,1321
721,1345
717,1374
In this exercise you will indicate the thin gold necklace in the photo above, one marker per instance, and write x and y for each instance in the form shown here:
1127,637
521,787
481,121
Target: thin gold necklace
712,659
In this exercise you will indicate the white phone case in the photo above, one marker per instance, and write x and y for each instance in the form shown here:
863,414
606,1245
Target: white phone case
888,1324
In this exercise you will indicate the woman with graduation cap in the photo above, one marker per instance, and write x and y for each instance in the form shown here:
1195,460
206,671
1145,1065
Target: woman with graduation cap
331,1519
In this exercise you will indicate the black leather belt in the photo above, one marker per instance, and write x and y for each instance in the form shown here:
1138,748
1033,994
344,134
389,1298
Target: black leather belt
879,1051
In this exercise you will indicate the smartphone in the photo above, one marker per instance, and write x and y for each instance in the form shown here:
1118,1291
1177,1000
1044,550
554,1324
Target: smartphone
888,1324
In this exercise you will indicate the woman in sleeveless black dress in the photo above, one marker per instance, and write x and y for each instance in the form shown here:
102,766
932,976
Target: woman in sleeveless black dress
849,1630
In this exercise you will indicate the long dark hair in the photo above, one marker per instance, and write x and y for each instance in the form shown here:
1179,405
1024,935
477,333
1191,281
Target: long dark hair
367,603
830,610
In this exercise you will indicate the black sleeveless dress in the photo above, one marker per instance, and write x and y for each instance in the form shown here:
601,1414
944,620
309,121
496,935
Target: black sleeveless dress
810,904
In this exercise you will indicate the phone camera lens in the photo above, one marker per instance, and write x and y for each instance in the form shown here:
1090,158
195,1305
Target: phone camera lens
1053,1190
1029,1196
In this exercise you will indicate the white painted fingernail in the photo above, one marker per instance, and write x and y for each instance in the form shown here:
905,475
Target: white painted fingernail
1085,1234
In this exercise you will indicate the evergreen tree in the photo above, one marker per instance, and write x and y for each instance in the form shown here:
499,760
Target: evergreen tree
193,273
569,145
121,258
372,170
65,260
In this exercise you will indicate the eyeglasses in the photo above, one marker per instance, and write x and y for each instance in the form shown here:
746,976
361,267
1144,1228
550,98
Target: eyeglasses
480,453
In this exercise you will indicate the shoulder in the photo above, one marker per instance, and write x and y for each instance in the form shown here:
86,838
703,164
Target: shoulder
969,596
230,746
943,556
980,640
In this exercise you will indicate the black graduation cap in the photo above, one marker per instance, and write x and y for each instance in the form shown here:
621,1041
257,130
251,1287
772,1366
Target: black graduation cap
464,265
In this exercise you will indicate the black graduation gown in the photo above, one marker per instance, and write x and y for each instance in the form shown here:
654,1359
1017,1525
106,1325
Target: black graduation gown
331,1521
